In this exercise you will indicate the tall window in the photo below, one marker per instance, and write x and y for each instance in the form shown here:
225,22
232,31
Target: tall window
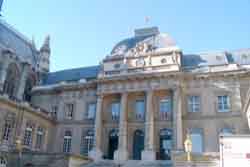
223,103
165,108
39,137
87,142
54,112
27,141
91,111
30,82
7,130
3,162
115,110
12,78
197,140
140,109
69,111
194,103
67,142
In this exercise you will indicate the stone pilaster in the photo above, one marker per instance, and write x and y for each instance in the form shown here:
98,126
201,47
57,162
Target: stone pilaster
96,154
177,119
22,82
149,147
122,153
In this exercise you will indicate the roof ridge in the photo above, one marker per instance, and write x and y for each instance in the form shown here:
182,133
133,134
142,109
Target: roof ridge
16,32
76,68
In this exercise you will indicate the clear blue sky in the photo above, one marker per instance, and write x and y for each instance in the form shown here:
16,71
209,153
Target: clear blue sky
84,31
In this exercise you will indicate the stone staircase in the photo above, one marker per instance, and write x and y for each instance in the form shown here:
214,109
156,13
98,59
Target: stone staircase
130,163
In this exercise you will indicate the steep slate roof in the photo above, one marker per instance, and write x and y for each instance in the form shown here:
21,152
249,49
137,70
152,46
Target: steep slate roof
240,57
12,39
206,59
72,75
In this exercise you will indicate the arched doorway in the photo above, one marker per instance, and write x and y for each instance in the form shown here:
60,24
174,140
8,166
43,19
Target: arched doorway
165,144
138,145
113,143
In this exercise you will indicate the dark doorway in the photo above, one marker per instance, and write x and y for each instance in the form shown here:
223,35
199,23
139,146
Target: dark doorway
165,144
138,145
113,143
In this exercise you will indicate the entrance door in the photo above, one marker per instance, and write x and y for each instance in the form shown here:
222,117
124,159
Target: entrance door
165,144
138,145
113,143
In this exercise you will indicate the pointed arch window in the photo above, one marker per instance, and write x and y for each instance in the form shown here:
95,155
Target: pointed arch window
11,81
30,82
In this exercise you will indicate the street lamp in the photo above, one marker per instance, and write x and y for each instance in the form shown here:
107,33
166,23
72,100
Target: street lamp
19,149
188,147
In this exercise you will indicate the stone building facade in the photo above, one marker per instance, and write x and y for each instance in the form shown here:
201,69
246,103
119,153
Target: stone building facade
139,103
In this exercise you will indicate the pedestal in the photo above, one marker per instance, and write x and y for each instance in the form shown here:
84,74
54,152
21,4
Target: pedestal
121,155
96,154
148,155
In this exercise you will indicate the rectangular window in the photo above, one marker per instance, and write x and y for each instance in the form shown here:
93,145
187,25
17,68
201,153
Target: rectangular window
115,110
54,112
165,108
197,140
194,103
69,111
223,103
39,138
140,109
91,111
7,131
27,141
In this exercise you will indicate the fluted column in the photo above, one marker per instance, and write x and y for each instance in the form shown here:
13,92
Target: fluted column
122,152
149,147
96,153
177,119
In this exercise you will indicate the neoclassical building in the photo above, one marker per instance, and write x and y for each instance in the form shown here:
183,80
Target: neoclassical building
140,102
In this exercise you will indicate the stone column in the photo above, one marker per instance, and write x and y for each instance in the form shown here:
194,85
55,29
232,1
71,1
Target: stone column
122,153
149,147
22,82
96,154
177,119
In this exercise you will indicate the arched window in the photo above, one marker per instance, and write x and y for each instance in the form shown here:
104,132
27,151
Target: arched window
87,142
11,81
30,82
67,141
3,162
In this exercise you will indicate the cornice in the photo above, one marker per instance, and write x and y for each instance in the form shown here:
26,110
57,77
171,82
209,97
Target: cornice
25,107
